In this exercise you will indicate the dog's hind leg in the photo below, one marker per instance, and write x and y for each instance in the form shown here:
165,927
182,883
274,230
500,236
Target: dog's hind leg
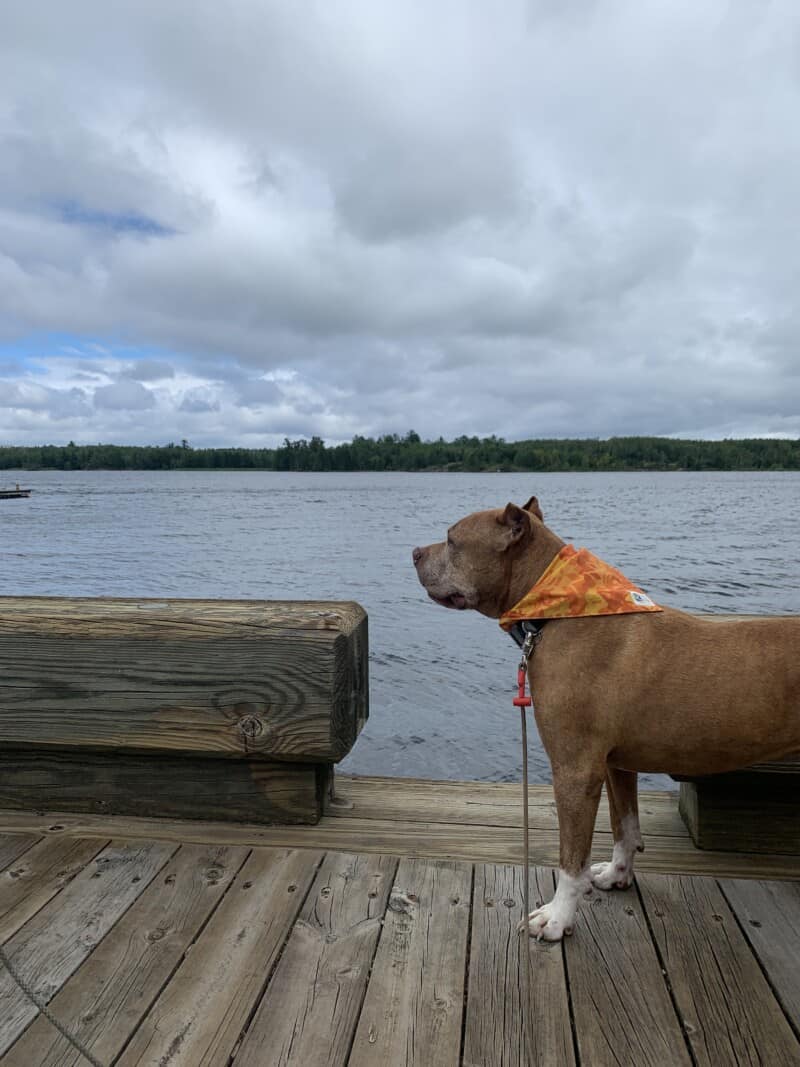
624,810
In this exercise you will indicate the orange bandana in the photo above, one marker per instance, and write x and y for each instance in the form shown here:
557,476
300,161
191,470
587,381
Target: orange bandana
577,583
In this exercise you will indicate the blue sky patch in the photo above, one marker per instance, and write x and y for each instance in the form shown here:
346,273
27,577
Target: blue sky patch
77,214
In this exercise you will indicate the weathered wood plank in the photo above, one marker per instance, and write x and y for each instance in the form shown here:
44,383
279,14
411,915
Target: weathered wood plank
14,845
255,790
726,1005
769,915
484,804
199,1016
107,997
484,844
415,998
38,875
309,1012
515,1018
743,812
53,944
184,617
621,1006
228,678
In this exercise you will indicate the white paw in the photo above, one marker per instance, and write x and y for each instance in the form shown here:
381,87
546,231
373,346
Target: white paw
549,923
612,875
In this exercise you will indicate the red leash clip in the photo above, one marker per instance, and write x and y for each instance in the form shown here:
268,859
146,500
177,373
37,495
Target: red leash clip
522,701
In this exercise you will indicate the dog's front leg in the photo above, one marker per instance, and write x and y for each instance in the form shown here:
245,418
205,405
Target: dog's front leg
624,810
577,792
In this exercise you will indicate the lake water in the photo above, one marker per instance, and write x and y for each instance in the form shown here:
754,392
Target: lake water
441,682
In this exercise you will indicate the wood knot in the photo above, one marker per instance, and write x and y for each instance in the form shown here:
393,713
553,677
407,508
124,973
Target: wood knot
250,726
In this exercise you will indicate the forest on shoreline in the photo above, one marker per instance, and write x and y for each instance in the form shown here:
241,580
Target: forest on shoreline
392,452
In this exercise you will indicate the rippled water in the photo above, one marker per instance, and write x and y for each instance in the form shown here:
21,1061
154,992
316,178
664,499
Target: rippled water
440,681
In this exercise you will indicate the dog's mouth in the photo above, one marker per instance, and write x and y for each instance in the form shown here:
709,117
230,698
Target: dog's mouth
454,600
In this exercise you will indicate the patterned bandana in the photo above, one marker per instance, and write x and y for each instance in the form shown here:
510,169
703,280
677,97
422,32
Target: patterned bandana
575,584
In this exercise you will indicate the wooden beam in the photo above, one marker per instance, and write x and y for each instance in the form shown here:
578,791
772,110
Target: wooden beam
745,811
251,790
280,679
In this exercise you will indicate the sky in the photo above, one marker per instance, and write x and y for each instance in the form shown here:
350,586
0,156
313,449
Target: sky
235,222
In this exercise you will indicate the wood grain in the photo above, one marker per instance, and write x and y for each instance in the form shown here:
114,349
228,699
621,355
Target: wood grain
415,1000
38,875
310,1010
726,1005
484,804
55,941
743,812
14,845
252,789
107,997
621,1004
228,678
769,916
515,1017
199,1016
415,837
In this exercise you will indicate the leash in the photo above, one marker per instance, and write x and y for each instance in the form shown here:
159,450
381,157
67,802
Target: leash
527,635
37,1002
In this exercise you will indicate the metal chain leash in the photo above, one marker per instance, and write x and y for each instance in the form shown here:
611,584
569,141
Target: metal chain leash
27,989
523,702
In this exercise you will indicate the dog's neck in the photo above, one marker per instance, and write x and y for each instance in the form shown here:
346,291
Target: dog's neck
529,561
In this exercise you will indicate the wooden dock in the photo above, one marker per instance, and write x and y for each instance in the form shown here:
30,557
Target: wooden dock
385,935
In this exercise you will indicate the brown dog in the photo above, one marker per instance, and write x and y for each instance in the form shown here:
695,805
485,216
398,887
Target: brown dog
663,692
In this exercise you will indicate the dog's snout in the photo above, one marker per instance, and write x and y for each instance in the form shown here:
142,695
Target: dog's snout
416,555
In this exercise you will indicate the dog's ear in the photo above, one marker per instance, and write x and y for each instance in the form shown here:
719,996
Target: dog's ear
517,523
533,507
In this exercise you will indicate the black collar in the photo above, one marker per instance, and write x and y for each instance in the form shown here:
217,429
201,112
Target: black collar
520,630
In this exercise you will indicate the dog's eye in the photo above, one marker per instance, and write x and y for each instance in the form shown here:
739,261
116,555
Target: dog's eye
451,543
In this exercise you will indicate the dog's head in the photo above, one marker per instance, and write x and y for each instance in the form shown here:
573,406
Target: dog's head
490,558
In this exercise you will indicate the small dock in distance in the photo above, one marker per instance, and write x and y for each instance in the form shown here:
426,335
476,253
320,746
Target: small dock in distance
384,935
14,494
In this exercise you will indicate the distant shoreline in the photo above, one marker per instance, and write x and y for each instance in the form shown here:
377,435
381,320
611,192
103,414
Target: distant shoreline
410,454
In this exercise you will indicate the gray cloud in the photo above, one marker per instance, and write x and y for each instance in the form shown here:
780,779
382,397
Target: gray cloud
149,370
124,396
198,400
257,393
546,219
58,404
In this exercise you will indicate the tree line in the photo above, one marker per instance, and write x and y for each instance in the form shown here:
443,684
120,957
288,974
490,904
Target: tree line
392,452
